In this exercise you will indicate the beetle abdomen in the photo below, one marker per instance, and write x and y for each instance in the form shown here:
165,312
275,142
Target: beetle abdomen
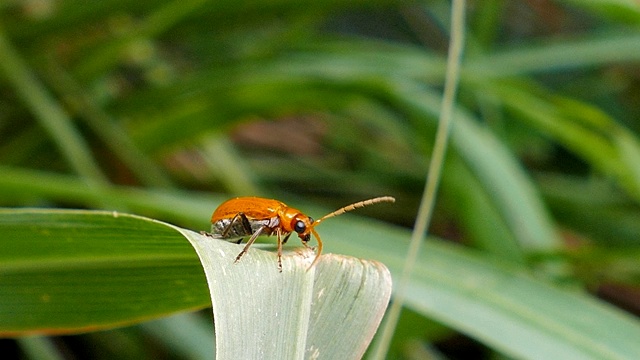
237,229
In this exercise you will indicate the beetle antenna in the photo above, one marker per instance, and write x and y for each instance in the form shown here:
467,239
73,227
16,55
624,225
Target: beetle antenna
359,204
318,249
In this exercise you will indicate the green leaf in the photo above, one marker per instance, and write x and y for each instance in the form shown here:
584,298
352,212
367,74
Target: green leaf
68,271
295,314
71,271
130,268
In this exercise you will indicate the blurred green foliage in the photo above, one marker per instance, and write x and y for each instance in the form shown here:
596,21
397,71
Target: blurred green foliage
125,105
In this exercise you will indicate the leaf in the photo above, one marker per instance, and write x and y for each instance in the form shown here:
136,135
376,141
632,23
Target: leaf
262,313
496,302
71,271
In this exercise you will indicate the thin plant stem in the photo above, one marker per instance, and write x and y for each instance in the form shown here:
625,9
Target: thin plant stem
433,178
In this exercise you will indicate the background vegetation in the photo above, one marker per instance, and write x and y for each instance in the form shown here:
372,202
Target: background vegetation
164,108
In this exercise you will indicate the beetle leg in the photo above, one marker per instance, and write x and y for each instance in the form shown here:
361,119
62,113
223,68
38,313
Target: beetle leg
245,223
243,220
251,240
280,242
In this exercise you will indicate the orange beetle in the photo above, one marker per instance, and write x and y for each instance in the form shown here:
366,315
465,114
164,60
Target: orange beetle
254,216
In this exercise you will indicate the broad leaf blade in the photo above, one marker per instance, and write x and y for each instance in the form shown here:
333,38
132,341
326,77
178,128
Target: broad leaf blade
71,271
259,312
345,289
296,314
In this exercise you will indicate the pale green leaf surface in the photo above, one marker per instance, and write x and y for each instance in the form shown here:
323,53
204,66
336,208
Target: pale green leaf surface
367,282
264,314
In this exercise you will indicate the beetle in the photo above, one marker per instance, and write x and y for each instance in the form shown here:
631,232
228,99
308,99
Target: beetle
239,217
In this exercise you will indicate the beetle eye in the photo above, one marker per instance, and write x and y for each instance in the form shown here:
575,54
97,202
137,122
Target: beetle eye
299,227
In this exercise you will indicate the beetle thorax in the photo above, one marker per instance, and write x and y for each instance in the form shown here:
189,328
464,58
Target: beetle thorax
292,219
